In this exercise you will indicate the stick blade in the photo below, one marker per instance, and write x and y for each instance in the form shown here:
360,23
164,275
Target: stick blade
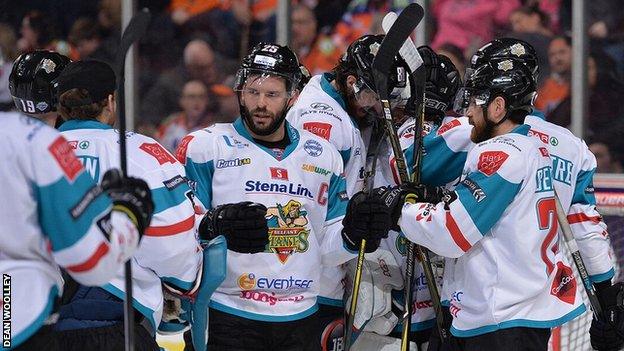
135,30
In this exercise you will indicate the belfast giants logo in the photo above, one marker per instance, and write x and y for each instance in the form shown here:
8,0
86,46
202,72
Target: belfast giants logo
257,186
92,165
288,233
313,148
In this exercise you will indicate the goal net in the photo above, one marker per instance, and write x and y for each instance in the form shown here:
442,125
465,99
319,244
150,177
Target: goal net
574,335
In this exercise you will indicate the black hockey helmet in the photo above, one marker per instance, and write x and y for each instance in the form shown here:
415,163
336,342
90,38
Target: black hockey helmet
507,48
31,82
270,59
360,56
508,78
441,83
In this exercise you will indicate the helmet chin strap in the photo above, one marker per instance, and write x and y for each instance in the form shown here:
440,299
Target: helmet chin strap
247,119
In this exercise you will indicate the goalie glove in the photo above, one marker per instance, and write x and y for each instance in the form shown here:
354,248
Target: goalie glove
607,333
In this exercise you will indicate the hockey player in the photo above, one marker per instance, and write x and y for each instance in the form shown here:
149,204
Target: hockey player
58,216
30,83
573,170
340,107
170,251
506,179
293,177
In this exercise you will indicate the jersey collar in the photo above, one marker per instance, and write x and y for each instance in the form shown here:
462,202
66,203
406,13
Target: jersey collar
330,90
83,124
293,134
521,129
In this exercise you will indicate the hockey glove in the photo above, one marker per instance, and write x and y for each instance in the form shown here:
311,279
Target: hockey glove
243,224
395,197
608,333
367,218
131,196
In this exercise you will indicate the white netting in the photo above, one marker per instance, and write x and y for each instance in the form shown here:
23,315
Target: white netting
574,336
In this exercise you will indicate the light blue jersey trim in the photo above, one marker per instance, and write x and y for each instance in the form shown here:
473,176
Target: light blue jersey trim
584,181
293,134
201,175
441,165
184,285
345,155
337,198
262,317
487,210
602,277
355,252
329,90
165,198
322,300
519,323
59,199
83,124
539,114
145,311
416,326
38,322
446,303
522,129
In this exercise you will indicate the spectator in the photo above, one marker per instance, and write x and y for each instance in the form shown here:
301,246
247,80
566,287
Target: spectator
557,86
316,51
8,54
199,62
38,32
456,56
530,24
468,24
194,115
604,122
606,162
86,38
229,109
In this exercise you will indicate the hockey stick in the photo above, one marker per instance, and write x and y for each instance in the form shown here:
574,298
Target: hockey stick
403,27
135,29
380,69
578,261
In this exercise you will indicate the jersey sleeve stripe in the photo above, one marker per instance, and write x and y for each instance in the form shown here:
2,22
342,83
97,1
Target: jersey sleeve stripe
91,261
165,198
173,229
584,189
458,237
582,217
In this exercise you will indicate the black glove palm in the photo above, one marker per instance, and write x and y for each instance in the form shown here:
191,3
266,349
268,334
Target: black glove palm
607,335
243,224
367,218
130,195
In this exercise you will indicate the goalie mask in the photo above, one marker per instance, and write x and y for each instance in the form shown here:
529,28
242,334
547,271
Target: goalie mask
267,61
31,82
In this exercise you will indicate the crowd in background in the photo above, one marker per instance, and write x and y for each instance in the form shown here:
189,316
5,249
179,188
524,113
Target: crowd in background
189,56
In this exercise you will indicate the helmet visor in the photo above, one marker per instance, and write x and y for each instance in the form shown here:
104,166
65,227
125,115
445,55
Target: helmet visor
467,97
247,77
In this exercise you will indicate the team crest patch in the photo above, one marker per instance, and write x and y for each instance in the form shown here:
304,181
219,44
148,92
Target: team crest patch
160,154
65,157
564,285
287,230
401,244
491,161
313,148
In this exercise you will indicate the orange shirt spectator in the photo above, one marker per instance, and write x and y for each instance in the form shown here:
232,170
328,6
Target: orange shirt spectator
317,52
551,94
557,86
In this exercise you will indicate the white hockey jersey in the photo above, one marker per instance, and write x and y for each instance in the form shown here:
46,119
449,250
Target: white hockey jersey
573,172
53,215
169,249
506,180
321,110
445,148
304,191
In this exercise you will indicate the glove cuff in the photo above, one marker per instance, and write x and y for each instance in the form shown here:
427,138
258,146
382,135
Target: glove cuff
129,211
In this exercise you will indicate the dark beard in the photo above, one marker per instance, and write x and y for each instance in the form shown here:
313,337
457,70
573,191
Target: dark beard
479,135
248,119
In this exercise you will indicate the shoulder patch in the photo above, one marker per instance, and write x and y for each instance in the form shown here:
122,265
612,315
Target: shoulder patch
319,128
181,150
448,126
65,157
491,161
160,154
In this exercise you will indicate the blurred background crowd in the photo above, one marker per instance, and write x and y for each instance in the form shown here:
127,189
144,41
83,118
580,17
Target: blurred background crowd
193,48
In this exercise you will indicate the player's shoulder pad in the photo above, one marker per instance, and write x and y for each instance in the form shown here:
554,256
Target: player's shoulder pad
200,144
30,130
507,155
